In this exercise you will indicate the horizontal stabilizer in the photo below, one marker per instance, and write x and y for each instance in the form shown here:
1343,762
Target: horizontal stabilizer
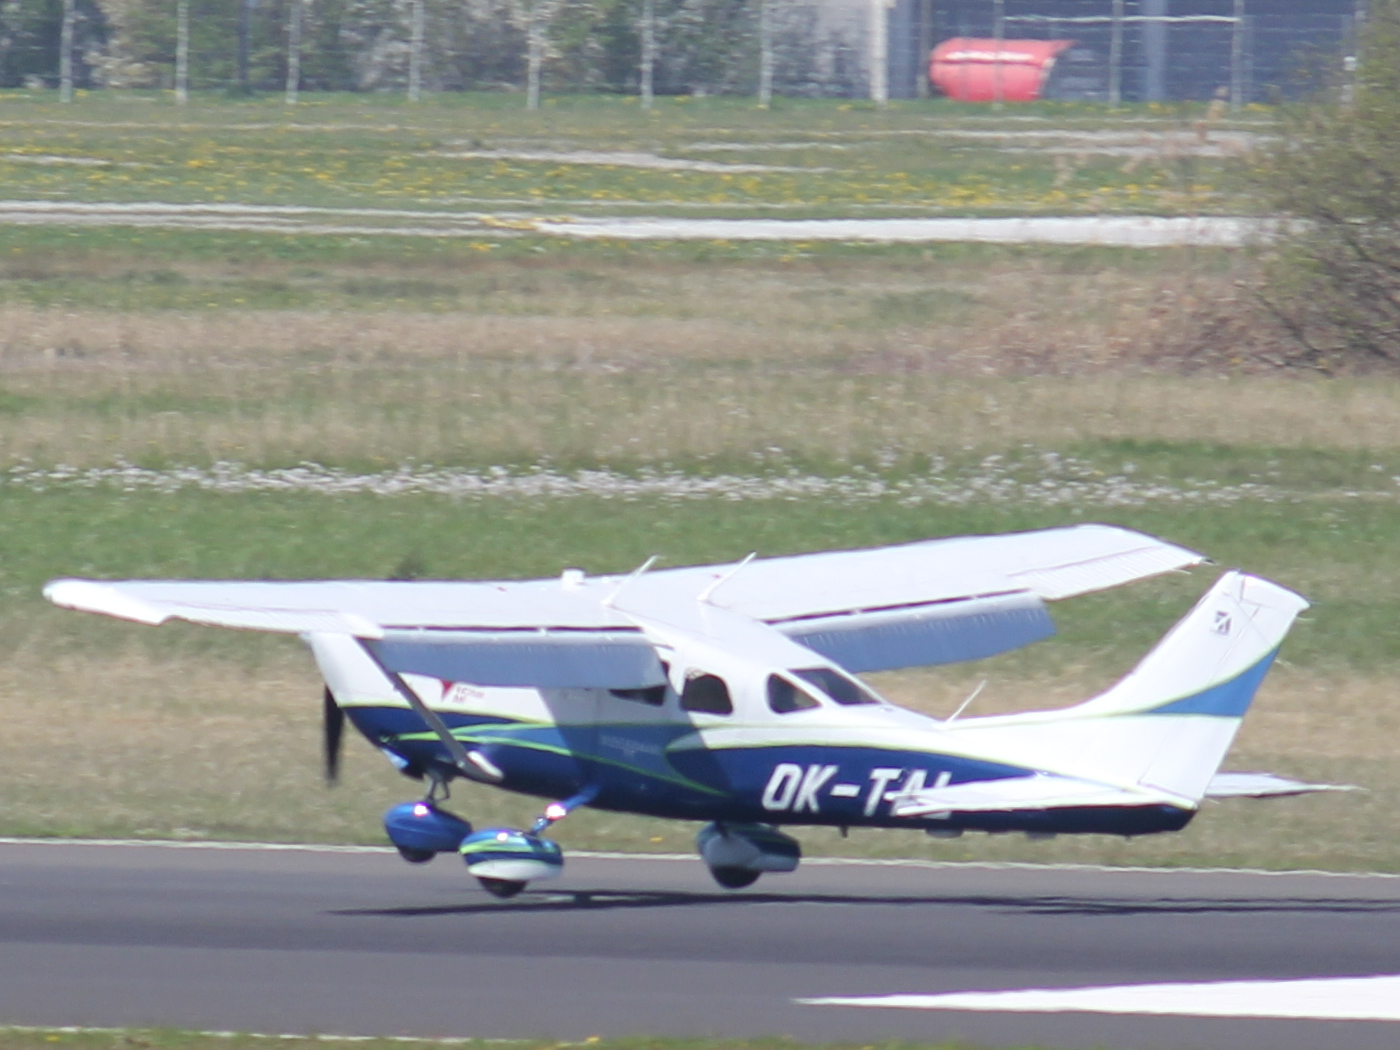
1265,785
1039,791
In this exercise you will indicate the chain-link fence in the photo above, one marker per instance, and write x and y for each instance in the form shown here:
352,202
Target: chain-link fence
1129,50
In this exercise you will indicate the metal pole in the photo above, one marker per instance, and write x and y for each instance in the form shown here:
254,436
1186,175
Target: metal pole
1115,57
245,29
648,51
1236,58
293,52
415,52
182,52
999,35
1154,48
879,53
925,48
532,76
765,53
65,54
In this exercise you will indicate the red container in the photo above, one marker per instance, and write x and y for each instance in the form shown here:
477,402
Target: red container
968,69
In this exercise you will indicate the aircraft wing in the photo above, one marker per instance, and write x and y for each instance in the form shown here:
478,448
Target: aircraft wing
935,601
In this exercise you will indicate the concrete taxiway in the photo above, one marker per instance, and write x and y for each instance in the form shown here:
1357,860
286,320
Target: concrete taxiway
361,943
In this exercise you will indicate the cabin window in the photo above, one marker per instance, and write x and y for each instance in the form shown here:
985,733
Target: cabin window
845,691
708,694
652,695
784,697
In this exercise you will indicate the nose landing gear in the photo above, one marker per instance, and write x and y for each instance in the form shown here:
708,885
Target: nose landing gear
504,860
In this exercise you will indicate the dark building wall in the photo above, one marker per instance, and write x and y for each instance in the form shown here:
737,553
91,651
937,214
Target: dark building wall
1283,40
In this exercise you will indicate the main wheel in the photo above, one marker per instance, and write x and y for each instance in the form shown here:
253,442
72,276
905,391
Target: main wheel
734,878
416,856
501,887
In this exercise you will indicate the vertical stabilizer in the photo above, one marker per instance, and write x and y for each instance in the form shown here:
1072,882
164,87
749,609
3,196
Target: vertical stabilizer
1167,725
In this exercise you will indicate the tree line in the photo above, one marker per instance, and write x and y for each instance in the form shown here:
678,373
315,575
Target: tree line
697,46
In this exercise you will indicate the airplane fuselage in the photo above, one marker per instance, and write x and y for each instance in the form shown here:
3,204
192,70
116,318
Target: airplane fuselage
783,774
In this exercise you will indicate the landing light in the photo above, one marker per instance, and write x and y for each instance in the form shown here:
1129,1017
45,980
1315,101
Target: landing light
420,810
555,811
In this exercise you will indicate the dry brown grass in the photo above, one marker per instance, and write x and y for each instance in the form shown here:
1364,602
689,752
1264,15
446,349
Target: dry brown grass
275,387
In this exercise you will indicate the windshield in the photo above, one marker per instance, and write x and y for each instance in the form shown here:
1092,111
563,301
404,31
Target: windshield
845,691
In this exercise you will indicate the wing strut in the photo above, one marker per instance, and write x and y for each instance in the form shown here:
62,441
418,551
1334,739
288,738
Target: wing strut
472,764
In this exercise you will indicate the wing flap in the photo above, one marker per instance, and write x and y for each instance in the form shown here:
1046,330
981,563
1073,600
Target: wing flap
525,659
916,636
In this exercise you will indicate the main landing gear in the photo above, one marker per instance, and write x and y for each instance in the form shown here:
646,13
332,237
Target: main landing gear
737,854
504,860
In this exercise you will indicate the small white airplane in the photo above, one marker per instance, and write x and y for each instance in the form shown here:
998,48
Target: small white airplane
727,694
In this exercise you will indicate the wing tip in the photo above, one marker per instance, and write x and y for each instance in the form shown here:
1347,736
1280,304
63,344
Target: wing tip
92,596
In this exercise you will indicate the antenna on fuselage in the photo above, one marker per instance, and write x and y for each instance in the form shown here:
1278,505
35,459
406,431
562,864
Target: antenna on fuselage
610,599
708,592
968,702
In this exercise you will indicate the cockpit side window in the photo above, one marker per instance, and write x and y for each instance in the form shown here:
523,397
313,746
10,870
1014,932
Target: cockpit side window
845,691
706,693
784,697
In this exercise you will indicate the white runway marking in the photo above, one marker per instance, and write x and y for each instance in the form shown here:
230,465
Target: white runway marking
1125,231
1314,999
1132,231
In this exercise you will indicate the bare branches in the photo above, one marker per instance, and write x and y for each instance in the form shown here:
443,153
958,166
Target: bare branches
1333,280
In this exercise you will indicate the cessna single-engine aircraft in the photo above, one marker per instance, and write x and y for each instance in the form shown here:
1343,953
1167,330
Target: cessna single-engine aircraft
727,694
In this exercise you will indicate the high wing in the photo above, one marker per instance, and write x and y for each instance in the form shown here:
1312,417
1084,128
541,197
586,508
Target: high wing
935,601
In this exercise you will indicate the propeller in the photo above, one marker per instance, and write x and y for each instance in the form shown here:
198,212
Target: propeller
333,726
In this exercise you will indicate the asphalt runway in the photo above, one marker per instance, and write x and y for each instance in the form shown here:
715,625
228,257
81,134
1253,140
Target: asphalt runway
361,943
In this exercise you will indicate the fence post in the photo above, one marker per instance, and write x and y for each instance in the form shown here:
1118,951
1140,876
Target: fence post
245,29
535,58
65,54
1236,58
1115,57
415,52
648,86
998,35
765,53
925,47
879,53
182,52
294,52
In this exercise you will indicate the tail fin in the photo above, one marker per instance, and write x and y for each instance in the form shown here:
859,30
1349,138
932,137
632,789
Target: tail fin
1166,726
1211,662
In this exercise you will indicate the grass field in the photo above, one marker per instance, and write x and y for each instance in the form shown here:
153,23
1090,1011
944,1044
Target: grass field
712,156
243,403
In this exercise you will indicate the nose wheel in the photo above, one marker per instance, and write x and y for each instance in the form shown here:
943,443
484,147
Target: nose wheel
505,860
502,888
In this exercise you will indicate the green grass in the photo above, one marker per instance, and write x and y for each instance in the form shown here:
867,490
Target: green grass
1336,551
359,151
